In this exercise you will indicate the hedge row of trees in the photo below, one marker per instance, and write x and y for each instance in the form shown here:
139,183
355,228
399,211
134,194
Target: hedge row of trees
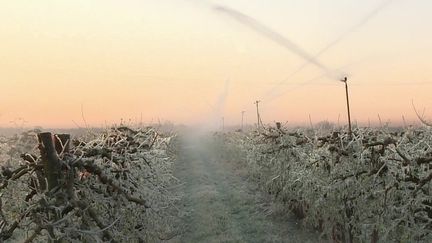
107,186
375,187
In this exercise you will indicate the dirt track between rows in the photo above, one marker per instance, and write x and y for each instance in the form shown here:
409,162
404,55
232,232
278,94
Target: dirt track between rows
218,205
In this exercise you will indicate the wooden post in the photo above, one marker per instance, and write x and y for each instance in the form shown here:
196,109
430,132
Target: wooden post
50,159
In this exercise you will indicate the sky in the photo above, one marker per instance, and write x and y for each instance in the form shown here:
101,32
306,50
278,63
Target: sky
184,61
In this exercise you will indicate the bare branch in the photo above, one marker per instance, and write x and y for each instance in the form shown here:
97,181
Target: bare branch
421,117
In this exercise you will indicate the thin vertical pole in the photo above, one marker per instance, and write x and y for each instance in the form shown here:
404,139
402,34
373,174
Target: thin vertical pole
404,121
258,115
348,107
242,120
310,121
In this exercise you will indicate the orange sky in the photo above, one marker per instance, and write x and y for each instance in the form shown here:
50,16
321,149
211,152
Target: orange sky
170,60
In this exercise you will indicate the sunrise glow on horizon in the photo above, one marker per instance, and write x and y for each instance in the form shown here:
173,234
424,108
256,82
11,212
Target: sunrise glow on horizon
184,62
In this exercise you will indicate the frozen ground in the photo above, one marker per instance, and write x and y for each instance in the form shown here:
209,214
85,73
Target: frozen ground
218,205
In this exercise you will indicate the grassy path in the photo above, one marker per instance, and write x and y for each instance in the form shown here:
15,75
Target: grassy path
220,206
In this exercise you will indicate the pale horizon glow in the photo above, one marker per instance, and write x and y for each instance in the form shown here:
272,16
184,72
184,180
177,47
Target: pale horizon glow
172,60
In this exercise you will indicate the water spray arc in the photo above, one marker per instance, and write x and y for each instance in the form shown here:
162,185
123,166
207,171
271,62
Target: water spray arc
333,43
272,35
281,40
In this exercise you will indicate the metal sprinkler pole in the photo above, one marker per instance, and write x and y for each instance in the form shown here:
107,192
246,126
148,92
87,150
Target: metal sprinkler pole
258,115
242,119
345,80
